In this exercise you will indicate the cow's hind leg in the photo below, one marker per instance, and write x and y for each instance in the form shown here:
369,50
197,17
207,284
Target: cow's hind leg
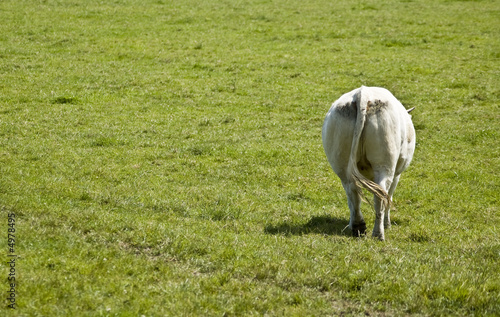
387,218
356,222
381,209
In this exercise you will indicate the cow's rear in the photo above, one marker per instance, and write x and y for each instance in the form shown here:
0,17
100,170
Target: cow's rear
369,141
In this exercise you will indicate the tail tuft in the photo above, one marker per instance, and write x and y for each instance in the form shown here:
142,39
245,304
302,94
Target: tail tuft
372,187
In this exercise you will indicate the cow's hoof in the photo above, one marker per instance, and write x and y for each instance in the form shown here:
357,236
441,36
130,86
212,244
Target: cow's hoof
379,236
359,229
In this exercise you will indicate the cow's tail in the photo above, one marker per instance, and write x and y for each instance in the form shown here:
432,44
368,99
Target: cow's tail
361,181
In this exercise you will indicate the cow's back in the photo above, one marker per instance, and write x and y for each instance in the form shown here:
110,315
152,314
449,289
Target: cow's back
387,138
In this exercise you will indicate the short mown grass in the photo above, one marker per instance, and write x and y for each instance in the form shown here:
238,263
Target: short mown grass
164,158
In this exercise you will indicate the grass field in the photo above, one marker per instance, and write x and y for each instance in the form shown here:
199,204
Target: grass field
164,158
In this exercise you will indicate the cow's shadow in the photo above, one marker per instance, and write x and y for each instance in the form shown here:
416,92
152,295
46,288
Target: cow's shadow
316,225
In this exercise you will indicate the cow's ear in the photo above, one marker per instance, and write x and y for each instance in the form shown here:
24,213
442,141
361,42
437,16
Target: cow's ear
410,110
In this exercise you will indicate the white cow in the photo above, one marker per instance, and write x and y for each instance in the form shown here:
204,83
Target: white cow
369,141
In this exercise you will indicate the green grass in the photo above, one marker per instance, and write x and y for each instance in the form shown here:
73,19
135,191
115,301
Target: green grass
165,158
